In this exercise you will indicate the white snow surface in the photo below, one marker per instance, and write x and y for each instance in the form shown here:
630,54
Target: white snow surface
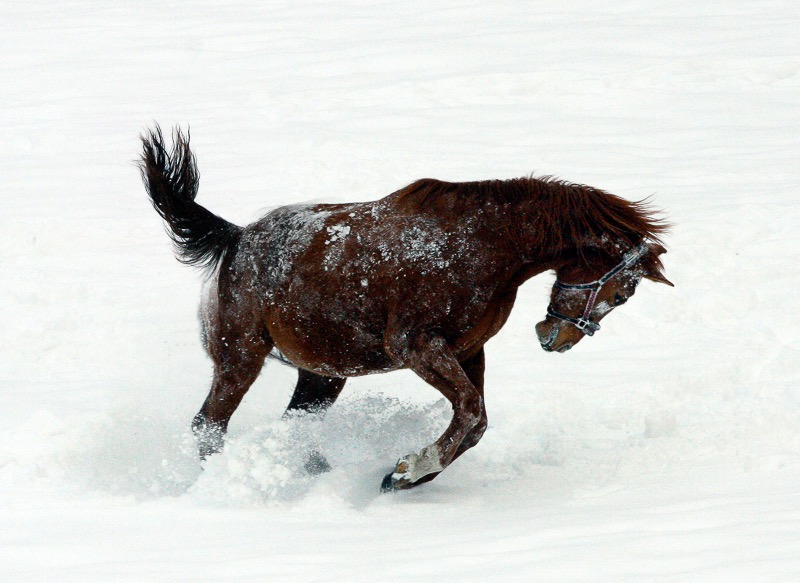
666,448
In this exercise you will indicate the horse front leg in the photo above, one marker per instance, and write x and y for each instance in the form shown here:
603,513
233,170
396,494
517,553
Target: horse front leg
475,367
433,361
314,393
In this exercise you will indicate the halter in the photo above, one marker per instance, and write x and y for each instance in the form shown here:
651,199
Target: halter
584,324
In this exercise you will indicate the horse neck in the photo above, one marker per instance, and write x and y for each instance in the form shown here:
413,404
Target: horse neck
542,238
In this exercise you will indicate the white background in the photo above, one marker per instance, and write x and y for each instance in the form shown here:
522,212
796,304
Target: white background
666,448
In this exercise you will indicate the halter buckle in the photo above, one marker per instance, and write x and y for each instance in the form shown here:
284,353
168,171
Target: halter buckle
583,324
586,326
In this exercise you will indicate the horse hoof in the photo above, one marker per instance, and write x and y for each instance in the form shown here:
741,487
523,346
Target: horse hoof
316,464
413,470
393,482
387,485
399,479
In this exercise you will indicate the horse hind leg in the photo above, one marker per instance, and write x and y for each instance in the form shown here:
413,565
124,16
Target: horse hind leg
238,354
314,394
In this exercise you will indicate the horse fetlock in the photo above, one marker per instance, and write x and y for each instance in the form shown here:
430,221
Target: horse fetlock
474,436
210,437
473,418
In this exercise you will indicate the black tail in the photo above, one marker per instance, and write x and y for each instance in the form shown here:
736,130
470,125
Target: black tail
201,238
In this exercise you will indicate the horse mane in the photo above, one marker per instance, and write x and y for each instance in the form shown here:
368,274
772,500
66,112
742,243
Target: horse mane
565,215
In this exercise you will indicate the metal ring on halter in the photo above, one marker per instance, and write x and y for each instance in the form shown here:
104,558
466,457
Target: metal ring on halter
584,324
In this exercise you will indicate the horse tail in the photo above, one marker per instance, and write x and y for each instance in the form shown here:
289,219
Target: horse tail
171,179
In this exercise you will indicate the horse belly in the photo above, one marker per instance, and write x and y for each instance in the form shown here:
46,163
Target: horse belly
324,328
329,346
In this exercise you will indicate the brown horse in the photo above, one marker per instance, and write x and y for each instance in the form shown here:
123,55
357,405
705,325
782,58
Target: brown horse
420,279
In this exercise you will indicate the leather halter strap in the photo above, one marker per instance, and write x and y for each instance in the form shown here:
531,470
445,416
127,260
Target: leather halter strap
583,323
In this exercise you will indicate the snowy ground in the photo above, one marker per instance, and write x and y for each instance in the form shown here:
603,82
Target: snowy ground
666,448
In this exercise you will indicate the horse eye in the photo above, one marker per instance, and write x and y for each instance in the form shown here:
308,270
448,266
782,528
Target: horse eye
619,300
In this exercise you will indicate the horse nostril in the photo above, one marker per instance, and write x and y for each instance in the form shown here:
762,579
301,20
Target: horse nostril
566,347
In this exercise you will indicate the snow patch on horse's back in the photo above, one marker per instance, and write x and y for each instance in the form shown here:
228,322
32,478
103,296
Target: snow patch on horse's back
337,233
282,235
425,246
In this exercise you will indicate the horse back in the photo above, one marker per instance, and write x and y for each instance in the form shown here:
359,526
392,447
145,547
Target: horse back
331,281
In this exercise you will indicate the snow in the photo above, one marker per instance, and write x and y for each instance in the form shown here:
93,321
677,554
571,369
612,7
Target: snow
665,448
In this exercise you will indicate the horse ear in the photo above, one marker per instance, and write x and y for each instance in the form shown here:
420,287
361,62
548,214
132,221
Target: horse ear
658,278
652,268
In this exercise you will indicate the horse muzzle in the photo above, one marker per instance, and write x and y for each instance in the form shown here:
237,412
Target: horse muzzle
553,337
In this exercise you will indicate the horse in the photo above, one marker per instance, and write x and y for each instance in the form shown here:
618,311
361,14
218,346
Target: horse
420,279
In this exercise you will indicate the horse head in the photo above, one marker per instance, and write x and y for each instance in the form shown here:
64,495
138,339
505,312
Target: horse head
589,287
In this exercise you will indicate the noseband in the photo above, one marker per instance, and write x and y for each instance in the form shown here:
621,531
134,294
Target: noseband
584,324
